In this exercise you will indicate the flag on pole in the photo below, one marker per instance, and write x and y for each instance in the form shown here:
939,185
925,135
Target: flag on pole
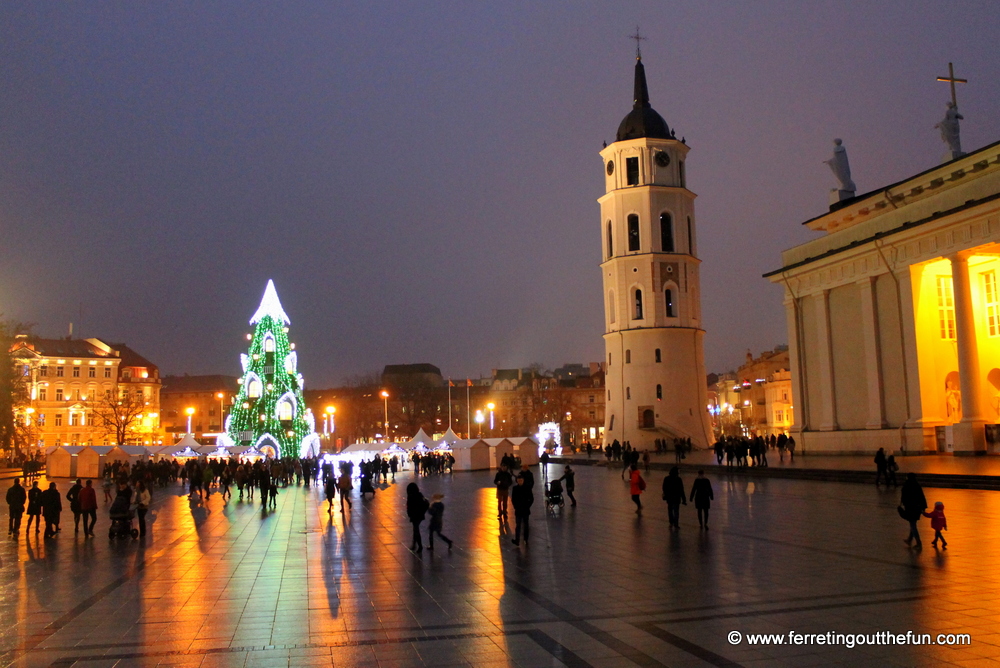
450,384
469,382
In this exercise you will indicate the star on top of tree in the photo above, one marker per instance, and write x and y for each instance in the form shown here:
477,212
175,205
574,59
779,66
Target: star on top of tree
270,305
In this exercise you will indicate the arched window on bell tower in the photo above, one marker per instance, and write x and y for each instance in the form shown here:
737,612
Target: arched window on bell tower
668,299
633,232
611,246
690,237
666,233
637,315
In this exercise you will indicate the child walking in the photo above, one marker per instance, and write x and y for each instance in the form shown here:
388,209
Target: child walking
437,522
939,523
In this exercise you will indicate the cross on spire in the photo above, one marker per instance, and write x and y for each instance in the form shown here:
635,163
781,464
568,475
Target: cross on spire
952,80
638,38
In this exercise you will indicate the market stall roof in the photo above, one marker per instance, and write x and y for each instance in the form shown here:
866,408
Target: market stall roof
186,442
468,443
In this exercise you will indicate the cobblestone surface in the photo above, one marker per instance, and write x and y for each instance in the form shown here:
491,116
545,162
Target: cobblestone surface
219,584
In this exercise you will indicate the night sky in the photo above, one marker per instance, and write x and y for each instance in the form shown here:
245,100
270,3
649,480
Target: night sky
420,179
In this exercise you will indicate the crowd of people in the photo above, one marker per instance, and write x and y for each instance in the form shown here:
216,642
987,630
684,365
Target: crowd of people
744,451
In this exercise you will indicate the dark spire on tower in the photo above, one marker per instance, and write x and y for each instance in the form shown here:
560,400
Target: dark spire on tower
642,121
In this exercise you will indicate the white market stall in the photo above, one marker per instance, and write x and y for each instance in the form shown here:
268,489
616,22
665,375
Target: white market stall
61,461
526,448
499,447
471,454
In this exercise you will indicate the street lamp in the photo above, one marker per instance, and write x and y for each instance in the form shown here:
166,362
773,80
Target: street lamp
385,398
190,412
491,406
479,421
330,426
222,410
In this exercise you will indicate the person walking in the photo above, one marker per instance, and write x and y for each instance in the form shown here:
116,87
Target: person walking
880,467
502,480
912,505
51,504
108,484
890,471
702,496
939,523
791,448
330,491
636,487
142,499
569,477
34,507
73,496
345,486
522,498
673,494
88,507
16,497
437,522
416,510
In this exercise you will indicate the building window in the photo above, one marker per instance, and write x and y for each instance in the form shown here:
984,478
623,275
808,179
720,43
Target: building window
666,233
285,410
611,247
609,359
43,371
58,419
43,394
946,307
59,372
638,304
591,398
657,356
628,357
609,395
59,394
72,419
690,237
611,422
254,388
41,419
631,171
659,391
633,232
668,299
107,372
92,372
268,343
992,303
76,372
779,416
628,392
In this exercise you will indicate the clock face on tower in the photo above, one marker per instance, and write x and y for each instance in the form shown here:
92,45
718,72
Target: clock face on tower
662,158
611,167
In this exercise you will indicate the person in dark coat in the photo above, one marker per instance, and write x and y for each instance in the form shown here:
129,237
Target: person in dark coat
437,522
673,494
502,481
702,496
16,498
73,496
912,505
34,507
51,508
522,498
88,508
880,466
416,510
569,476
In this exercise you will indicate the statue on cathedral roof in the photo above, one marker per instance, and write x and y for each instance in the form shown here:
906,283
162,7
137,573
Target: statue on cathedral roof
842,170
950,131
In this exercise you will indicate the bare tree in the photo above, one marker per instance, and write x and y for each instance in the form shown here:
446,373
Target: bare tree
118,413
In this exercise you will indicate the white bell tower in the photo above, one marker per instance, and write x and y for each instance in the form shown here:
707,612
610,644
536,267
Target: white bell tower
655,376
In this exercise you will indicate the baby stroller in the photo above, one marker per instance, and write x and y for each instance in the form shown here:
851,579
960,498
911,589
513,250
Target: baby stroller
554,495
121,515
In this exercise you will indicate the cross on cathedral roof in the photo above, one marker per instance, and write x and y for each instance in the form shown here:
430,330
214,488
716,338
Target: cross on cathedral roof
270,305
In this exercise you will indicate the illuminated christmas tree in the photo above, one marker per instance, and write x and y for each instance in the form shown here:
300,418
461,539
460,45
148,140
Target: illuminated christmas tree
269,413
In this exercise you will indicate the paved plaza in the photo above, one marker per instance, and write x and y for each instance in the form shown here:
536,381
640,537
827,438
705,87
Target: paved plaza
219,584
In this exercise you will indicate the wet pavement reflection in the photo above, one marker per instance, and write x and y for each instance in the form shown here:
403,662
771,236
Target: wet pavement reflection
232,584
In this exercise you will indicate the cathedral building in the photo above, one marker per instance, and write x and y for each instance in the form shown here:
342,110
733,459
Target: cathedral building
894,315
655,379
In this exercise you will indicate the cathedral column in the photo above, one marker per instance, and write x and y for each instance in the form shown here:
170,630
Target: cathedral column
873,352
799,412
970,433
824,341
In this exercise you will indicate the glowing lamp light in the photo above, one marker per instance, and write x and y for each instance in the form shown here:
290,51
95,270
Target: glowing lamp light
246,404
384,394
249,337
189,410
491,405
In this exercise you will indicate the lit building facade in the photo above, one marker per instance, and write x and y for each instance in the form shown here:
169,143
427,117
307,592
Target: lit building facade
894,315
207,399
69,385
